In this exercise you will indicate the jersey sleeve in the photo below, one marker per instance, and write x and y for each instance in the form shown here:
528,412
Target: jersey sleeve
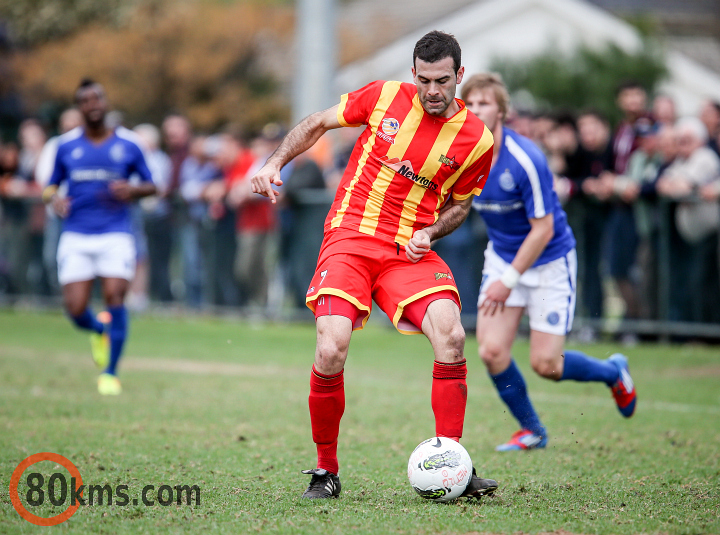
356,107
537,189
472,180
59,172
140,165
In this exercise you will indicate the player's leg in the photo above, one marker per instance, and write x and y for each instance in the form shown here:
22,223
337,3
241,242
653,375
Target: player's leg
116,264
441,324
495,335
439,316
76,274
114,291
551,310
337,277
76,298
327,395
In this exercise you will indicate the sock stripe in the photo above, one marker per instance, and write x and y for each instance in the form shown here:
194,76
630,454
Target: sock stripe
450,370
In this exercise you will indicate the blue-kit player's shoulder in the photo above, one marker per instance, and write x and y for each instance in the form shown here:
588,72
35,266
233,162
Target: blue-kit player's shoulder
528,146
129,136
70,136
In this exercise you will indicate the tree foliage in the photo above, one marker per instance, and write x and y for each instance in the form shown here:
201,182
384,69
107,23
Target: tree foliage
204,59
588,78
36,21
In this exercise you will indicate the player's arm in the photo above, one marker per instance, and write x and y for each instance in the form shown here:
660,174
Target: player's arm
61,205
297,141
450,217
542,230
122,190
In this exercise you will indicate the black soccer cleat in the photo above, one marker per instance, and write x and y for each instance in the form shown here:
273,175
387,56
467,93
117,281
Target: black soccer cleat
323,484
479,487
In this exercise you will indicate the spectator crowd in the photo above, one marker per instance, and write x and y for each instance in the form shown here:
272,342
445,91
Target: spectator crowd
642,199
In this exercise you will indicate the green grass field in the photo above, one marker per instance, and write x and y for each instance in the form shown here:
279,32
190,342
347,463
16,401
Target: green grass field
223,405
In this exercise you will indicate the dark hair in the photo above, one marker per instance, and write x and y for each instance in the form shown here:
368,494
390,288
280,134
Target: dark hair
564,117
435,46
594,112
629,84
84,84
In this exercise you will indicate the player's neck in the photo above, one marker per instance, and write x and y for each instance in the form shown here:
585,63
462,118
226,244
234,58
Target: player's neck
97,133
497,142
451,110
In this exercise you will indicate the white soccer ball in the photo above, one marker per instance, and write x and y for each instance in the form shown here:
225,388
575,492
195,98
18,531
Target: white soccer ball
439,469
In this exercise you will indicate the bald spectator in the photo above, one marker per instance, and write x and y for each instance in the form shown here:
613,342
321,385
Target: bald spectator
697,222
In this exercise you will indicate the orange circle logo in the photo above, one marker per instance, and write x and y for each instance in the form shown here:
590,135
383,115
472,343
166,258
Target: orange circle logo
15,497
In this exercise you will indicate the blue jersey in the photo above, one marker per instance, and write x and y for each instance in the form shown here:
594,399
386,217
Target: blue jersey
88,169
519,188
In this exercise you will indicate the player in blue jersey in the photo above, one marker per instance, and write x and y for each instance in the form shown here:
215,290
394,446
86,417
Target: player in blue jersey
530,264
96,240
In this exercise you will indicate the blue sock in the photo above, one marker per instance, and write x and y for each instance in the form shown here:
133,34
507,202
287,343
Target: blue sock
580,367
118,333
88,321
511,387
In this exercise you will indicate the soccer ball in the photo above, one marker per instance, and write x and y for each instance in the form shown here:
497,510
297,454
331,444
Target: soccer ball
439,469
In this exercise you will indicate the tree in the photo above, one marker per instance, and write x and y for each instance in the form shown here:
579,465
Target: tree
204,59
588,78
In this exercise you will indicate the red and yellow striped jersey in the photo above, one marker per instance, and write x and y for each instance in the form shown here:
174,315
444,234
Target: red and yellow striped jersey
406,163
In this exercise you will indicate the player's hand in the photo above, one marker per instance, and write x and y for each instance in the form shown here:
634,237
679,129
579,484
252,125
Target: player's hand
264,180
61,205
418,246
121,190
495,298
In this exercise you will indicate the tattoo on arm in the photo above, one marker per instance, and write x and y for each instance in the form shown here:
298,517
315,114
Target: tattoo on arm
451,217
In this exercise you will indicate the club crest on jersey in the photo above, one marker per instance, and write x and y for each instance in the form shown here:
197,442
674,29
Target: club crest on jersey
77,153
405,168
507,181
117,152
450,162
439,276
389,128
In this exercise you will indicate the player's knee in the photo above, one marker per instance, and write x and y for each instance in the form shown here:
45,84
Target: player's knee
491,353
330,355
456,340
74,309
546,367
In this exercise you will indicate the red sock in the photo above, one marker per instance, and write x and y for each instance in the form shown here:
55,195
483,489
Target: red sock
327,405
449,397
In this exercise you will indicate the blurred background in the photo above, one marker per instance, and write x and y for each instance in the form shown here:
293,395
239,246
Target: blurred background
622,96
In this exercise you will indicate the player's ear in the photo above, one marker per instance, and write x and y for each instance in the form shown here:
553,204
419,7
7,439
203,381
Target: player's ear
414,75
460,73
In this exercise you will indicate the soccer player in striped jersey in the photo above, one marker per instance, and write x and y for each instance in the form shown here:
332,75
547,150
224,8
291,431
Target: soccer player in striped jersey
97,240
411,179
530,264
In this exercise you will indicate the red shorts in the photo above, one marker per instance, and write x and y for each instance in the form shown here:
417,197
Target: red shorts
360,269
